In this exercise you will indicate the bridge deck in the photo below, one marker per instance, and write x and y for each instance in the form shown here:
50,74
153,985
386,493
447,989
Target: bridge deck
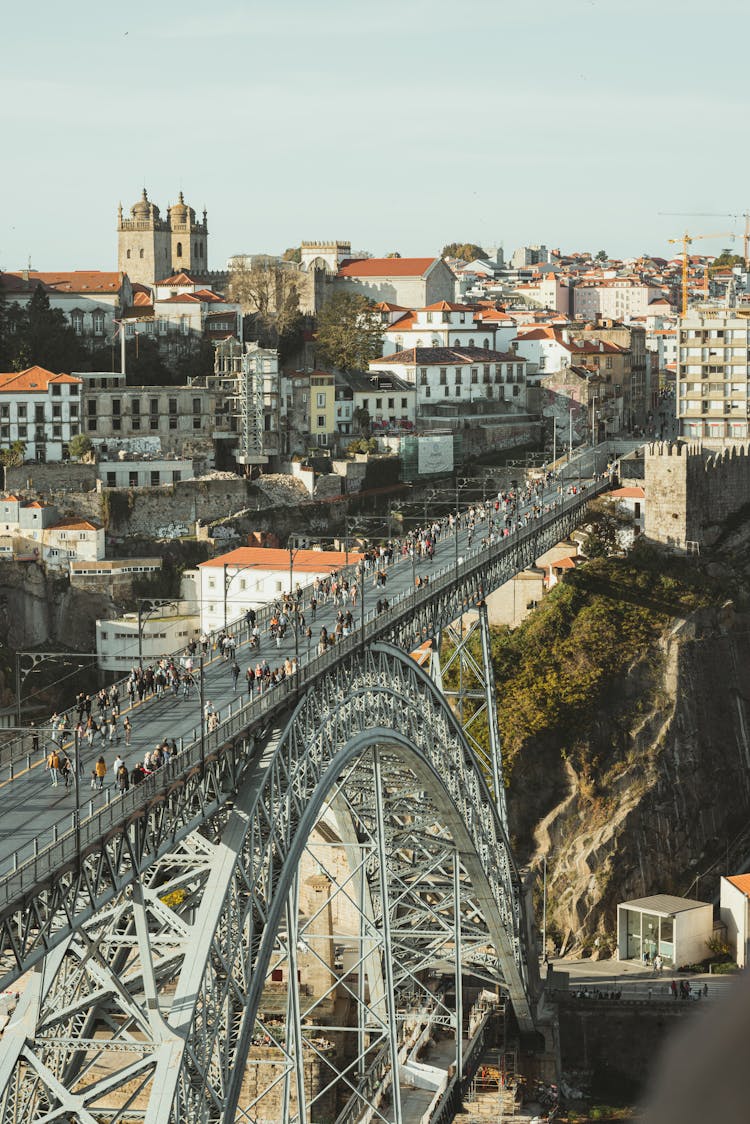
37,816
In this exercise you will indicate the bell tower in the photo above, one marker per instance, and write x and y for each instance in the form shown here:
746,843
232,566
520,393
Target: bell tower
143,243
189,239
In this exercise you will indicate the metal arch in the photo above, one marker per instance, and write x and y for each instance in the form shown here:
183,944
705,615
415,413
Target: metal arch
383,698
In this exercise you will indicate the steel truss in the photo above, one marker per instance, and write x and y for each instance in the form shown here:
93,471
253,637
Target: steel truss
211,989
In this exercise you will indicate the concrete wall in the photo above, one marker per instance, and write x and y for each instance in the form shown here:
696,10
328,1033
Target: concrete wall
691,492
734,914
47,478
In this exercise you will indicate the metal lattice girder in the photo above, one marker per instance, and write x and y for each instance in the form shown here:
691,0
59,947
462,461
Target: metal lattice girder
177,969
49,897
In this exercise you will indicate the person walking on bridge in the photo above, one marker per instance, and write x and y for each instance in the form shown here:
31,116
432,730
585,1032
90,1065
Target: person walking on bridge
53,765
100,771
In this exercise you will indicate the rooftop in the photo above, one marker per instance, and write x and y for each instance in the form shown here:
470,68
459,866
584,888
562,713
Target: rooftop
664,903
270,558
385,267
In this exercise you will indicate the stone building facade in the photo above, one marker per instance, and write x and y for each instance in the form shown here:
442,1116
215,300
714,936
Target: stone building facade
691,492
150,247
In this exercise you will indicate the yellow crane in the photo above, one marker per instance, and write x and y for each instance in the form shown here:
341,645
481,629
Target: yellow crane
720,215
686,241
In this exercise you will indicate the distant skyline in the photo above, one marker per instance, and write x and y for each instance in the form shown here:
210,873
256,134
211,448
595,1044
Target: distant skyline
399,126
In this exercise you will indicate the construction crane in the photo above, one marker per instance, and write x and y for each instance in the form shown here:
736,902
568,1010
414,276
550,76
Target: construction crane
719,215
686,240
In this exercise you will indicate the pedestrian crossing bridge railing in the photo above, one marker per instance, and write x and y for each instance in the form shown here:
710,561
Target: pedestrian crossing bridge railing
45,896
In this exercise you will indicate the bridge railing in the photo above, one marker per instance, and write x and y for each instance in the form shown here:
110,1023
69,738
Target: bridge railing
28,866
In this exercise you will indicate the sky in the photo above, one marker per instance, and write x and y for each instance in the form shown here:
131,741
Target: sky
400,125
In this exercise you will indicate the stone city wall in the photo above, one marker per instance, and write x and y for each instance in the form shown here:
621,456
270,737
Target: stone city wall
691,492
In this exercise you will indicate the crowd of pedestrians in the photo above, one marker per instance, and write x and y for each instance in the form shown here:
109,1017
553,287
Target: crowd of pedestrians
95,723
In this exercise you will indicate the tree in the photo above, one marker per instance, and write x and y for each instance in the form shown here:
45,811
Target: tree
362,418
195,359
393,254
293,253
466,251
145,364
727,260
13,455
43,337
601,256
349,332
79,446
270,292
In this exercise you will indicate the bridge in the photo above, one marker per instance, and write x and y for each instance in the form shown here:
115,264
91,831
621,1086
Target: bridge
262,930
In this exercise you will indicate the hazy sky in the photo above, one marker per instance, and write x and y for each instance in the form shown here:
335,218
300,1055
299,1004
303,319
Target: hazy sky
399,124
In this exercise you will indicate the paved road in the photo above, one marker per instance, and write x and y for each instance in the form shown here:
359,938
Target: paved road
34,812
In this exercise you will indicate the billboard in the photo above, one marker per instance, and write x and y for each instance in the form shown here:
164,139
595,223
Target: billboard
435,454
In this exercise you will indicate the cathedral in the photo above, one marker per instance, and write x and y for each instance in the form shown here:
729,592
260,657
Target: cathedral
150,248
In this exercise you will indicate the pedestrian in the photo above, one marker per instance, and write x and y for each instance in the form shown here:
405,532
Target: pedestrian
128,728
34,738
122,778
100,771
53,765
250,678
235,673
65,771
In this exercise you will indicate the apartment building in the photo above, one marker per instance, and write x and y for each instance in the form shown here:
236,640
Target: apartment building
41,409
712,374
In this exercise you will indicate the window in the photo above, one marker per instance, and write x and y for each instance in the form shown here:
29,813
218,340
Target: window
76,320
155,478
56,390
391,403
57,431
73,391
446,390
378,403
116,425
98,319
140,254
196,423
457,379
21,410
173,423
196,405
111,479
176,475
423,378
127,255
474,375
321,400
133,479
161,326
458,391
403,403
179,249
443,376
173,405
115,407
427,392
153,405
57,411
135,405
321,421
365,403
486,344
22,430
184,325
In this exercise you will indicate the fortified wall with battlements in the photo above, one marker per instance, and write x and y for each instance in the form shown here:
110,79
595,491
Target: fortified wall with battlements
691,491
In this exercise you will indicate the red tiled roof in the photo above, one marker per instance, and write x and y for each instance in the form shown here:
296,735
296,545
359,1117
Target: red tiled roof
271,558
385,267
446,306
740,882
75,525
447,356
177,279
142,298
634,493
403,323
76,281
386,306
33,379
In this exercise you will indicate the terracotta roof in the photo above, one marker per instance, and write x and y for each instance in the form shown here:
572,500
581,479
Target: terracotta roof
448,356
75,525
492,314
740,882
178,279
33,379
270,558
403,323
635,493
385,267
446,306
386,306
77,281
142,298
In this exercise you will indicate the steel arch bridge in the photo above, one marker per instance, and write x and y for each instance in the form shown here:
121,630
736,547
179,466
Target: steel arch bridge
349,836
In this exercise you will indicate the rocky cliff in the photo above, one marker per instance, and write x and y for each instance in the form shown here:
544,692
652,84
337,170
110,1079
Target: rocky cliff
37,608
624,713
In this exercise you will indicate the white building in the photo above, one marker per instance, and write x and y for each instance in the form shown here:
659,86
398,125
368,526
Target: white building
464,375
444,324
712,374
677,929
41,409
249,577
616,298
734,910
90,300
117,642
412,282
73,539
143,473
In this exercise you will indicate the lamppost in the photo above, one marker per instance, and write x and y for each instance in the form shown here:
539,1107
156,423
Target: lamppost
143,615
201,698
36,658
237,568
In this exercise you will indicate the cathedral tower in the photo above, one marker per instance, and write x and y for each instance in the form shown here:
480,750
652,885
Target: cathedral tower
150,248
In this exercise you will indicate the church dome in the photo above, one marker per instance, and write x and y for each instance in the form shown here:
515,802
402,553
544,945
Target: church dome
143,209
181,212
